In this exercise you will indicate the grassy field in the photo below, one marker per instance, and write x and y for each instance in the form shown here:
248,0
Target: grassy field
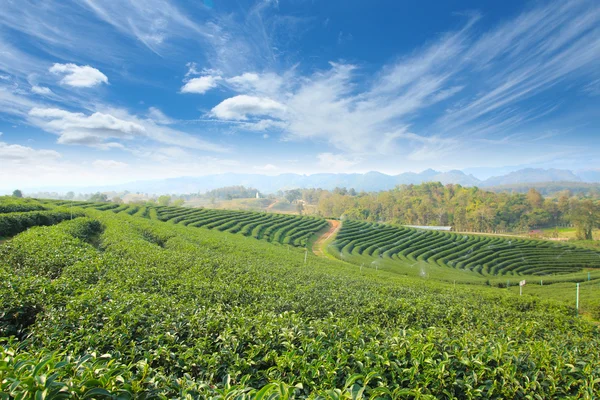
119,304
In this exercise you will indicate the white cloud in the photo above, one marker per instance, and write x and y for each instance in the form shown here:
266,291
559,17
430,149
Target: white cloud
264,125
201,85
15,103
21,154
156,115
267,84
242,106
41,90
335,162
109,164
97,129
511,62
77,128
152,22
79,76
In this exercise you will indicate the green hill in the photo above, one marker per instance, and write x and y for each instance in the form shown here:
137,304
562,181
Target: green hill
110,305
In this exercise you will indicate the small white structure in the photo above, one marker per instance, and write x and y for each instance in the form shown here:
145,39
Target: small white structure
257,195
431,228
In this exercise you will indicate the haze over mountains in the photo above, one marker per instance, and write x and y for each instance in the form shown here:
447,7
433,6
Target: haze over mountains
370,181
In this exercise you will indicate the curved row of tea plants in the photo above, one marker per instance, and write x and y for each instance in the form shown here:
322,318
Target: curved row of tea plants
276,228
484,255
18,215
116,306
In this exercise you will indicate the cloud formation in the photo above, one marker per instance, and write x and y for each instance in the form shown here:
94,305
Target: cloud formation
42,90
200,85
466,84
109,128
77,128
242,106
18,154
79,76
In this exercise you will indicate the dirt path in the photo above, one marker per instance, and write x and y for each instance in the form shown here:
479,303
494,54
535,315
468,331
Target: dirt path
321,242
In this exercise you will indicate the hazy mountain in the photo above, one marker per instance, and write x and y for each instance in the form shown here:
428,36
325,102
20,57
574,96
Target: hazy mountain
532,175
590,175
456,176
371,181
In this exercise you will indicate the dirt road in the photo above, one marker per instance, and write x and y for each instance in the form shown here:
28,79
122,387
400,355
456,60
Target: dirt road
321,242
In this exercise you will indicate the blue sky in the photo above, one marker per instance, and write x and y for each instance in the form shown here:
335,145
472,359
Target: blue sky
97,92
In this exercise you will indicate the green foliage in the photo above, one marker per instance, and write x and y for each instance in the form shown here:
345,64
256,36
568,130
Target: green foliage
98,198
483,255
117,306
13,223
586,217
231,192
10,205
465,209
164,200
17,193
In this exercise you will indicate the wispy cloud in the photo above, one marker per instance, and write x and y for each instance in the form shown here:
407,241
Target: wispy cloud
465,84
112,128
152,22
25,155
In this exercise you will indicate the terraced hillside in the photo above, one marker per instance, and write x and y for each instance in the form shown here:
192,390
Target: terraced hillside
482,255
113,306
275,228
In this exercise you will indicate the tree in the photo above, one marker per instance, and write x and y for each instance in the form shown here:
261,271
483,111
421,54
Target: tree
535,198
99,198
70,196
585,215
178,203
300,208
117,200
293,195
164,200
17,193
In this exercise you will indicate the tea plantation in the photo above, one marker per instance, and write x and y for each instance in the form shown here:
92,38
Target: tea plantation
463,257
276,228
111,305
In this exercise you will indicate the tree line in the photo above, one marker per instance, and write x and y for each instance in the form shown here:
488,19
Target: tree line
464,208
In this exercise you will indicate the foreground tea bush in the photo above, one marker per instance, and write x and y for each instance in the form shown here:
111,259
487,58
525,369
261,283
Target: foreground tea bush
137,308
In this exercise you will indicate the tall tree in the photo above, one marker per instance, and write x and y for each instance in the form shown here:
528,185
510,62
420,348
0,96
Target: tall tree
535,198
586,217
17,193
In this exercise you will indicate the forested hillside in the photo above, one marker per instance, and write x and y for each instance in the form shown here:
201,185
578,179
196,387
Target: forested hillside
466,209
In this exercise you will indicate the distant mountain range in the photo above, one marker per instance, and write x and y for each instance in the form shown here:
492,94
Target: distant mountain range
371,181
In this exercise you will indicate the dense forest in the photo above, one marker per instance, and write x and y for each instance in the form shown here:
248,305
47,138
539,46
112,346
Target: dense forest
464,208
